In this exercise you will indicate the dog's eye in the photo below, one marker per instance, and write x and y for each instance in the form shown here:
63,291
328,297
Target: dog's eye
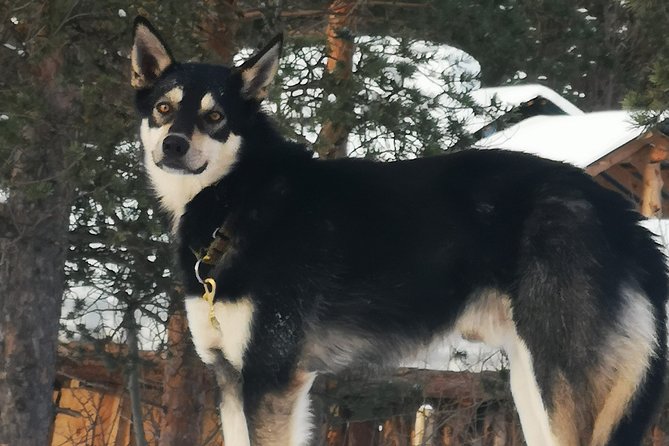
214,116
163,108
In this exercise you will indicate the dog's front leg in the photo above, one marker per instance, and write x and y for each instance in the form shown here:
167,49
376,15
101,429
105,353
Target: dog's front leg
282,416
206,337
222,345
233,418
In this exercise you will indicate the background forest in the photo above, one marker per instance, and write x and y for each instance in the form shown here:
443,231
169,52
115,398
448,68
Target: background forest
85,263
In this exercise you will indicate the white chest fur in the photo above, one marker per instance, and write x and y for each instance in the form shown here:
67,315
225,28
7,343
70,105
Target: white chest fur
231,337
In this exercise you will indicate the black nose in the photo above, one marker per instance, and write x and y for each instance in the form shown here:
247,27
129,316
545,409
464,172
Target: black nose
175,146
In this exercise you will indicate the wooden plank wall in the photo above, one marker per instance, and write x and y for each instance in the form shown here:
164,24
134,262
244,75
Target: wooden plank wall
94,417
406,408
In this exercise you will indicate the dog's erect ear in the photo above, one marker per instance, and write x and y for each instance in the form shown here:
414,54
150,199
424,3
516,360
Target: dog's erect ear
259,71
150,56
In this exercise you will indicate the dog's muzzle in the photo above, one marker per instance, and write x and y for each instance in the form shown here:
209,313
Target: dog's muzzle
175,147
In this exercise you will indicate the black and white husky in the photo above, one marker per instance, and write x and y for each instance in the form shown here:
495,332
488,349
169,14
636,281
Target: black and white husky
324,264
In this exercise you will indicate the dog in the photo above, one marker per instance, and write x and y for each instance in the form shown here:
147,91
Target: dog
296,266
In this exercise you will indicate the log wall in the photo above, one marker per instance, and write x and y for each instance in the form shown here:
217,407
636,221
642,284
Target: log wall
405,407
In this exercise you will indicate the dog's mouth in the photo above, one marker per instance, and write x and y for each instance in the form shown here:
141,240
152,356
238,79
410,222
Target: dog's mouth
178,167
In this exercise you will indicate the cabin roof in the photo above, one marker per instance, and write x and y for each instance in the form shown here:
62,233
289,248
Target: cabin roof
577,139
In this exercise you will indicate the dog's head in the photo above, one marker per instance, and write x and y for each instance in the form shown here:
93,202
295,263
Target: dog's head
193,116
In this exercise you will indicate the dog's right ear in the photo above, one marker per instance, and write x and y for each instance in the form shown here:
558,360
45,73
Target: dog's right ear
150,56
258,72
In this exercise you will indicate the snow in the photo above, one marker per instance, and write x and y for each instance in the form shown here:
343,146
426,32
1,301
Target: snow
577,139
454,353
103,316
439,63
444,69
513,96
443,60
508,98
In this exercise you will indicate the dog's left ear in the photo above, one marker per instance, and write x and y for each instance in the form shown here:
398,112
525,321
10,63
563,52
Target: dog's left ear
258,72
149,57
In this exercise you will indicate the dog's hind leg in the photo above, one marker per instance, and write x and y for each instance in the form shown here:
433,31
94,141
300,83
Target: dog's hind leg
489,318
630,378
583,308
534,417
605,402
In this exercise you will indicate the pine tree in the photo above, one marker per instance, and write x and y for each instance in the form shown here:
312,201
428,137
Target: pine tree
651,91
37,140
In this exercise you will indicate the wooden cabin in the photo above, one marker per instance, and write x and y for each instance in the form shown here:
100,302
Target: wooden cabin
639,170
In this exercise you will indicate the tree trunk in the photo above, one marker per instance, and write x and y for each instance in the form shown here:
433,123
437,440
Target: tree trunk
219,25
32,258
133,371
332,139
183,387
31,289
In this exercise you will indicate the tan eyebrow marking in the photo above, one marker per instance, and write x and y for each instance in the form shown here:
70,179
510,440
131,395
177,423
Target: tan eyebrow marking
207,102
175,95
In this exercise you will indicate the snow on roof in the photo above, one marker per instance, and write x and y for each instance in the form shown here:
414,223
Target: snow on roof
508,98
577,139
513,96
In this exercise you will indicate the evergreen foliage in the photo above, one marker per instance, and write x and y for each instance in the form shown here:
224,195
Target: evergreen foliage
651,92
